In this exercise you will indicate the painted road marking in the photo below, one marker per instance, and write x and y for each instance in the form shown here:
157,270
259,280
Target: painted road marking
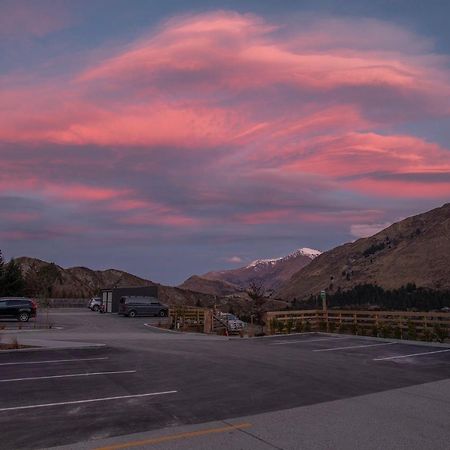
92,400
353,346
88,374
52,361
304,341
174,437
412,354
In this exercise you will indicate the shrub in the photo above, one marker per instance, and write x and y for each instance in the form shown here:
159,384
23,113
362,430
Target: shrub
441,332
331,326
280,326
307,326
354,328
386,330
289,325
274,325
375,331
427,335
322,325
412,331
398,332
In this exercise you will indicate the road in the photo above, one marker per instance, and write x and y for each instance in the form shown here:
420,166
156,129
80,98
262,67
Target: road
295,391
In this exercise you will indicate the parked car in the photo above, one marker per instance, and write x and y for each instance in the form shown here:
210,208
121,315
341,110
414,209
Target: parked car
142,306
233,322
95,304
19,308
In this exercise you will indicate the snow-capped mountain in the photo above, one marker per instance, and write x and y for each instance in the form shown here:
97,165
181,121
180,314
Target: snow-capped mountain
305,251
271,273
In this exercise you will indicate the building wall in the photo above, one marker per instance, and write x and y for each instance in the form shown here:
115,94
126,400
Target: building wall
117,293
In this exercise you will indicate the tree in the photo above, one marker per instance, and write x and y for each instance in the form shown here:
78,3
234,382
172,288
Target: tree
256,292
11,279
2,272
47,276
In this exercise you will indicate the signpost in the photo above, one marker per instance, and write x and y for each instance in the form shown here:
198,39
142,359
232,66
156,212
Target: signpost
323,296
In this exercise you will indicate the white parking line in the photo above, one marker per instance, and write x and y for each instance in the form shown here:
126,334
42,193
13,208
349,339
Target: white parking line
353,346
88,374
51,361
411,354
92,400
309,340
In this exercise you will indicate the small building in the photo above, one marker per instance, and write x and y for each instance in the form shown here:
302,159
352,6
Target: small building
111,297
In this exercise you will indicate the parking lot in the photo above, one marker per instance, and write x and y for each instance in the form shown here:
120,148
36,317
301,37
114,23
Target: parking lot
259,393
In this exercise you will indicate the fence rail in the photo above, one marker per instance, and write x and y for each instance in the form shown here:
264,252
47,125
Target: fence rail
378,323
191,319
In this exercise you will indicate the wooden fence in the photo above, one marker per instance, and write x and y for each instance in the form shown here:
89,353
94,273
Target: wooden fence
191,319
399,324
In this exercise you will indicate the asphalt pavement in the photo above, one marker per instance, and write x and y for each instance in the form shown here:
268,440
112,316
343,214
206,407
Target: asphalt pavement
146,388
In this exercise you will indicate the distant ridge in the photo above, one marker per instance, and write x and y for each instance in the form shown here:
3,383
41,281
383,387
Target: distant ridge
270,273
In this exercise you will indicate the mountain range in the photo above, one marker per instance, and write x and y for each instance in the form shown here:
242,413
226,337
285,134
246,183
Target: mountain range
414,250
82,282
268,273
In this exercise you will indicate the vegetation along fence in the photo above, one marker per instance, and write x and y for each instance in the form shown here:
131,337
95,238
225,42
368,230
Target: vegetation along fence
426,326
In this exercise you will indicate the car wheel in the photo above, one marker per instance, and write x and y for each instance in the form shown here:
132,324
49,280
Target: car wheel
162,313
95,308
132,314
23,317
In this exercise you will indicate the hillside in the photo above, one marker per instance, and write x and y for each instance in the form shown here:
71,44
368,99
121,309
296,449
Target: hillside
208,286
270,273
414,250
79,282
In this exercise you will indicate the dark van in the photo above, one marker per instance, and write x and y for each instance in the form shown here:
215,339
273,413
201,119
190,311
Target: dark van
132,306
19,308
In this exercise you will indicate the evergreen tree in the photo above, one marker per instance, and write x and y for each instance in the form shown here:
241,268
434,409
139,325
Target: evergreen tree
12,283
2,274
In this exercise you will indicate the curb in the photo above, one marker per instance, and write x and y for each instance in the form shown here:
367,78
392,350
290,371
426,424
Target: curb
37,349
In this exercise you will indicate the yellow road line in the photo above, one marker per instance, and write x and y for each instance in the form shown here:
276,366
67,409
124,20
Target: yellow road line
174,437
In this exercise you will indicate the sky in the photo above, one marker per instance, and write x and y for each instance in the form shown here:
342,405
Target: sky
173,138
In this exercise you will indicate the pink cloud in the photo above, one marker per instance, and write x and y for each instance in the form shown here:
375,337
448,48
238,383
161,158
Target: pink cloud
249,104
19,18
175,86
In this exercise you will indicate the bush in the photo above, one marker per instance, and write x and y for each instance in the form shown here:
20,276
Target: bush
386,330
427,335
274,325
354,328
398,332
331,327
441,332
375,331
307,326
289,325
322,325
280,326
412,331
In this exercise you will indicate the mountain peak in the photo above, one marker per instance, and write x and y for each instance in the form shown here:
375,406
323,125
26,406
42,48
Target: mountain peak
304,251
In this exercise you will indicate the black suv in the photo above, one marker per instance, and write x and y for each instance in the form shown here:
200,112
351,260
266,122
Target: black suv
17,308
142,306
